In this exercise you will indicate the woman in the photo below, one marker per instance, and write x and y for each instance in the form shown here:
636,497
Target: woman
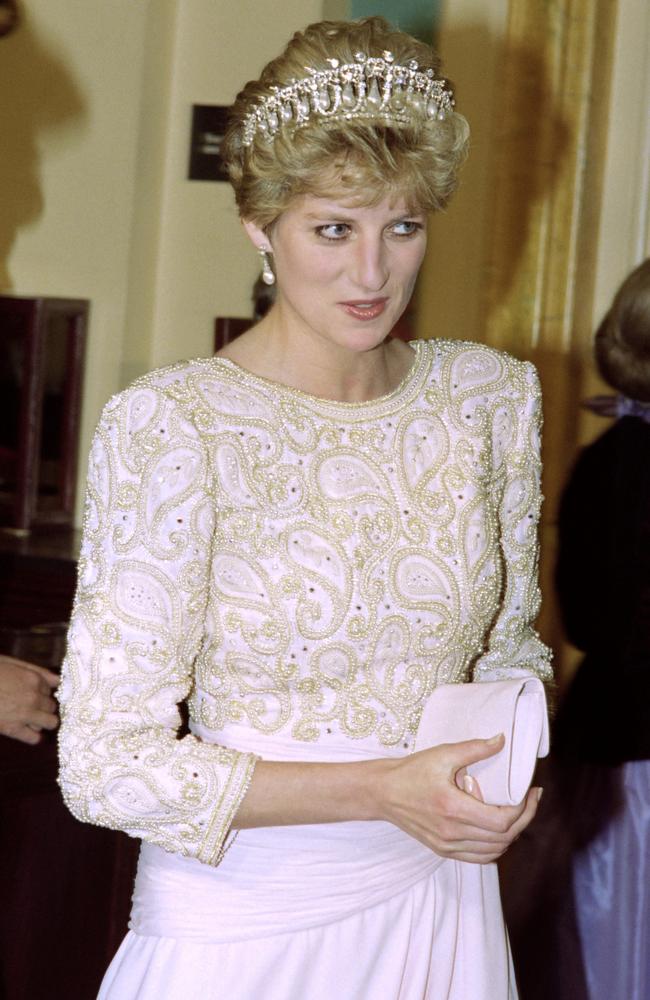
303,536
603,727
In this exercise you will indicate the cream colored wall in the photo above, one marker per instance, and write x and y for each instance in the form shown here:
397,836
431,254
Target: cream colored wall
69,108
95,109
625,212
205,265
147,222
624,222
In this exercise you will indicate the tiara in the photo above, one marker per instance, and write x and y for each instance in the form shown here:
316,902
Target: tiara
367,88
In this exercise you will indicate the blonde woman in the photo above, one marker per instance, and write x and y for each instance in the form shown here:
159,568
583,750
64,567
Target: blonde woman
303,536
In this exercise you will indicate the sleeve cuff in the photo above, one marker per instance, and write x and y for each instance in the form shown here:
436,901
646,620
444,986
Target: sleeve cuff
214,845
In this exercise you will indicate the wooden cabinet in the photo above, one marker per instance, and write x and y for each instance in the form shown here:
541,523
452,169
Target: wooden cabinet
42,344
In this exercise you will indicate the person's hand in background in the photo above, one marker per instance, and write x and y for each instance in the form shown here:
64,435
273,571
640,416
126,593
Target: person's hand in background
27,705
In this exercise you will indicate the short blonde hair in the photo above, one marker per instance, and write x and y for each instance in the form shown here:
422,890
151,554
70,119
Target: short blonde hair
622,341
363,160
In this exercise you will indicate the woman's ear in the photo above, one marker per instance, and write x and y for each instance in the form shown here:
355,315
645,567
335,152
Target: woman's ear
257,236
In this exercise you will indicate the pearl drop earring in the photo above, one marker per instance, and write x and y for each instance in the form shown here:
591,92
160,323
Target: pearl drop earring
268,277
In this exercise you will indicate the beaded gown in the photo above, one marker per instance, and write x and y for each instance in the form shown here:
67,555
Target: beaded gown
303,573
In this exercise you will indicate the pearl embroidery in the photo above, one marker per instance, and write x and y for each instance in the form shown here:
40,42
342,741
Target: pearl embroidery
294,566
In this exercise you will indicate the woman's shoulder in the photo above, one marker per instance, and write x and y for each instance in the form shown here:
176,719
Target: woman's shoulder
208,394
156,395
167,378
466,363
171,382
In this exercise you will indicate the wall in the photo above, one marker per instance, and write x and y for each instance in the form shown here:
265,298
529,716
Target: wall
206,266
69,109
95,109
625,210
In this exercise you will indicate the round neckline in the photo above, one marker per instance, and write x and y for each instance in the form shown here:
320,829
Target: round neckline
409,377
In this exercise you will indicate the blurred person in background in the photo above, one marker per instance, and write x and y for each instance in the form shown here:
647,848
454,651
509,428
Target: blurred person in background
27,704
602,737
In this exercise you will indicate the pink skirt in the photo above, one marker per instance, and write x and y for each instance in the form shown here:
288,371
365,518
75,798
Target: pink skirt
355,911
311,913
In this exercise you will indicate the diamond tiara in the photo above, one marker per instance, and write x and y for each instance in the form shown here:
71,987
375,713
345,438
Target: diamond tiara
367,88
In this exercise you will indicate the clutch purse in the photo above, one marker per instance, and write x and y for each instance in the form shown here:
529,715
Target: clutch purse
514,707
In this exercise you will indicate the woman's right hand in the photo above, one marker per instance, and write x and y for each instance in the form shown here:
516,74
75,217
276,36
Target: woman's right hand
421,795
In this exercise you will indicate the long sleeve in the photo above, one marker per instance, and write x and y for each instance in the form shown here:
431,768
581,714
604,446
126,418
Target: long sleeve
513,645
136,628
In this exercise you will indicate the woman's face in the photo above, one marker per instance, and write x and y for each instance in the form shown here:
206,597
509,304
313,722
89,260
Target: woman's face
345,273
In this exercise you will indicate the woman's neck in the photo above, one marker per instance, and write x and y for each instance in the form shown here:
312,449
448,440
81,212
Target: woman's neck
319,367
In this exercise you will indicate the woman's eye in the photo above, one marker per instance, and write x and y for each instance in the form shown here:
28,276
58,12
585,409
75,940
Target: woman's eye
334,231
407,227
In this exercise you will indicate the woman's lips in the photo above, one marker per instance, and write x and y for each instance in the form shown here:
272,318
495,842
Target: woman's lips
364,309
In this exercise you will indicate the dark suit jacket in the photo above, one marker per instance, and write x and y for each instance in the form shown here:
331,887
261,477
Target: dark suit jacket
603,583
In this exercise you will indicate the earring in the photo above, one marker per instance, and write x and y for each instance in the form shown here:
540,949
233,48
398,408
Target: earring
268,276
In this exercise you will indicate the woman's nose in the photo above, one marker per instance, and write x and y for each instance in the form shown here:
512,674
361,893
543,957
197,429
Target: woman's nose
370,264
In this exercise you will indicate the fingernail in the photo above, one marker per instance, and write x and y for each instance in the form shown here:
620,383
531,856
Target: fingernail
539,793
494,739
469,784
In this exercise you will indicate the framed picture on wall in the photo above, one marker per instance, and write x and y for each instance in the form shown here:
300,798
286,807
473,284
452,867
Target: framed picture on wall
208,129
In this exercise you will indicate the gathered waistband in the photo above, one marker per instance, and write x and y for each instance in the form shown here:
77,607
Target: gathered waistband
273,746
276,880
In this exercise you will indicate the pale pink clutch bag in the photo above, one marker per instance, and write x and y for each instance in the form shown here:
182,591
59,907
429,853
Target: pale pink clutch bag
515,707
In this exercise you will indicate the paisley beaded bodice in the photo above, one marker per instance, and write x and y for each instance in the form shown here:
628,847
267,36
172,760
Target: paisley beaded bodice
301,568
